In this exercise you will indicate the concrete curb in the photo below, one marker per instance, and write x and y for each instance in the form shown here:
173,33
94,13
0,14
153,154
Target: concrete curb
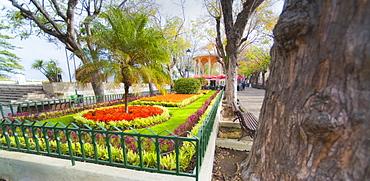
243,145
207,166
234,144
17,166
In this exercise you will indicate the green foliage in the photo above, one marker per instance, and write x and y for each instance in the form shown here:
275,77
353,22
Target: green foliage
138,50
9,62
257,60
187,86
50,69
202,80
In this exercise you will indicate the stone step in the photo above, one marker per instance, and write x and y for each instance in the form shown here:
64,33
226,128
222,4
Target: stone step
22,93
12,92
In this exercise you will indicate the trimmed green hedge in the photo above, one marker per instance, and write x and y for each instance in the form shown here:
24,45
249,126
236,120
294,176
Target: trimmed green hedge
187,86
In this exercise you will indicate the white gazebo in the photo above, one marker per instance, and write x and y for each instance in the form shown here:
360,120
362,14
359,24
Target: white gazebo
204,63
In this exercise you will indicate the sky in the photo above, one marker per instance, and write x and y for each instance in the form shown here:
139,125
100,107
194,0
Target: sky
35,48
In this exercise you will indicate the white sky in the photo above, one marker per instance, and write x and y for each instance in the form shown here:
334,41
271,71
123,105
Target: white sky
36,48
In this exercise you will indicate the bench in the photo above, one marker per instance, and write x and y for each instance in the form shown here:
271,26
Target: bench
248,122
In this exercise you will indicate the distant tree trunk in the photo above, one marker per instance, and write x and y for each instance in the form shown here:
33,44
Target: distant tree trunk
263,78
127,87
151,91
250,80
314,122
257,76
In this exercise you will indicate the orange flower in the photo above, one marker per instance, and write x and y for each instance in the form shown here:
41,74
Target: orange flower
175,98
118,113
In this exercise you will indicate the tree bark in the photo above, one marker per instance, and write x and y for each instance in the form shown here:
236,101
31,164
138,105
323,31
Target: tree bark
256,77
151,91
127,87
314,119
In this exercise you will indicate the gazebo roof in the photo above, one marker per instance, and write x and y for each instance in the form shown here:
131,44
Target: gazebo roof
206,58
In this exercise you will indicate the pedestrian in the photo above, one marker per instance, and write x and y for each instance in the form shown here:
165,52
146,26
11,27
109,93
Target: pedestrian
243,85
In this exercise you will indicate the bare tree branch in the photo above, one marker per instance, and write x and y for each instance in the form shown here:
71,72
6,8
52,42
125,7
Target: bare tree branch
47,16
28,14
219,45
122,4
57,8
248,8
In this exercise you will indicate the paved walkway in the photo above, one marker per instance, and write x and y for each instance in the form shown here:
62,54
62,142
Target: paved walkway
252,99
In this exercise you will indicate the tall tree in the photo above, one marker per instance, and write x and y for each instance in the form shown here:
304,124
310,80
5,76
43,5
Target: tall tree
255,61
139,51
234,27
173,30
57,20
9,62
314,120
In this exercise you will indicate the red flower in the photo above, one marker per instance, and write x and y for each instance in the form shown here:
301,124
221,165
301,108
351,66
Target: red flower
118,113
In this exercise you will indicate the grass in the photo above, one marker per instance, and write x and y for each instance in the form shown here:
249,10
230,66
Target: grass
178,116
63,119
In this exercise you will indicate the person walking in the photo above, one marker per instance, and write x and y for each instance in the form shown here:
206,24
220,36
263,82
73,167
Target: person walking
243,85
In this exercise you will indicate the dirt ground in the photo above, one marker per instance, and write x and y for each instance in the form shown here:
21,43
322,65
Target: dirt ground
227,162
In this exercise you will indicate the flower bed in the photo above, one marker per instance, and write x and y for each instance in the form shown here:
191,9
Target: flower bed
118,147
107,117
169,100
48,114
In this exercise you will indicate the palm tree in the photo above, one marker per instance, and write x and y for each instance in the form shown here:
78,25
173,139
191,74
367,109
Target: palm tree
49,68
138,50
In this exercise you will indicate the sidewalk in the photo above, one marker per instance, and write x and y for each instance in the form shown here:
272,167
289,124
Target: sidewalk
252,99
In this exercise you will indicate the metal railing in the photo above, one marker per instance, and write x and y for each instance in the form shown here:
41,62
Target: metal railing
154,152
39,106
57,104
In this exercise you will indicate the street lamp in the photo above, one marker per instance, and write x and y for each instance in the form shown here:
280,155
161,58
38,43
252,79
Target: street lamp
188,53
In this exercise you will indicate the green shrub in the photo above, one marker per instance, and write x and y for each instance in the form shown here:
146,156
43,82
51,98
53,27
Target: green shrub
202,80
187,86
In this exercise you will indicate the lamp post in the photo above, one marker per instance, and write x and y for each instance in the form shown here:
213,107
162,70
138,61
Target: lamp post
188,53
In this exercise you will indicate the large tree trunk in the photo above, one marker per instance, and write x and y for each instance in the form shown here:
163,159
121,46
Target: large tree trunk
314,122
97,86
230,95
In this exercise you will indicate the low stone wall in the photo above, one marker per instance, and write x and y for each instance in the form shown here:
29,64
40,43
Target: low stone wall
63,90
15,166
